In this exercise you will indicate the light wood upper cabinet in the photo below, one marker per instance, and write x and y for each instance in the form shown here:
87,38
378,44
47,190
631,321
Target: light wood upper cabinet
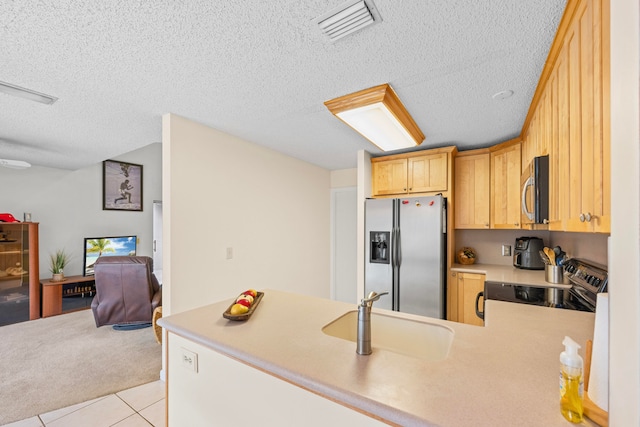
428,173
410,173
569,120
505,187
389,177
589,156
472,190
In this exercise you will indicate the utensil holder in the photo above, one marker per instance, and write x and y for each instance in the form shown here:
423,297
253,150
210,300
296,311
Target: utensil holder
553,273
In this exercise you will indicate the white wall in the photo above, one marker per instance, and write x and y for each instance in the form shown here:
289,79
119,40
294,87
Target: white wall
221,192
68,205
624,253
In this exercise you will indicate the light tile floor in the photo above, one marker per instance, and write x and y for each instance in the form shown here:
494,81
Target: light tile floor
141,406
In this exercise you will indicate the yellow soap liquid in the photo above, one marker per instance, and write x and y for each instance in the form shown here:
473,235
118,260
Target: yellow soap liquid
571,397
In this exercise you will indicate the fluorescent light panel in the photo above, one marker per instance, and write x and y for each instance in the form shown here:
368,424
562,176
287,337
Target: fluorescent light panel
378,124
32,95
378,115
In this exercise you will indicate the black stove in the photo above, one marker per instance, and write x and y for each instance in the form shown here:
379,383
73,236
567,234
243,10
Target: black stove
588,279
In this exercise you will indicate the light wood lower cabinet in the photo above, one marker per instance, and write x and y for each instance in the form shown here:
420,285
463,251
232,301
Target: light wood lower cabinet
463,290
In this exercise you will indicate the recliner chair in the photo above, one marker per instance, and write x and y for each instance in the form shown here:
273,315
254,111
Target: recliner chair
127,292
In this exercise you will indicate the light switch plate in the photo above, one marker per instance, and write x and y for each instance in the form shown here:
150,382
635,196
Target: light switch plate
189,359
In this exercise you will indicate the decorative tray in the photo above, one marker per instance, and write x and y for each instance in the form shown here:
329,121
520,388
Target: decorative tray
244,316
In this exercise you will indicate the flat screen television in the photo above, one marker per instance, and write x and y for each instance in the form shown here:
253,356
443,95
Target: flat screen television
95,247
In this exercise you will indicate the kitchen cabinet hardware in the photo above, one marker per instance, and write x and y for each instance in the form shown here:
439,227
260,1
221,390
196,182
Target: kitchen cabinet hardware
586,217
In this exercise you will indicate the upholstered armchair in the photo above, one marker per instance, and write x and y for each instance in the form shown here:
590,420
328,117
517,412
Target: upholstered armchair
127,291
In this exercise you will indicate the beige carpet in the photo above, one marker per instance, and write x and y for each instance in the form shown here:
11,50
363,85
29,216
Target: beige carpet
51,363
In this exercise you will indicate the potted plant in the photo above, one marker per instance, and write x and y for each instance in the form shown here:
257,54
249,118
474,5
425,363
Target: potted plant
58,261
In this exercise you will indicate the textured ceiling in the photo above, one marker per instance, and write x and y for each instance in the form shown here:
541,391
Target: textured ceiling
261,70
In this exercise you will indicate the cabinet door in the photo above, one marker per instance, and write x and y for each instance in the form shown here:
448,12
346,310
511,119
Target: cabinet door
588,207
428,173
20,278
389,177
472,191
505,188
469,285
452,297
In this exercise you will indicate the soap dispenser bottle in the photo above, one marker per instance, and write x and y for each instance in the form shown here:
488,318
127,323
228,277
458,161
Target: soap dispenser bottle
571,381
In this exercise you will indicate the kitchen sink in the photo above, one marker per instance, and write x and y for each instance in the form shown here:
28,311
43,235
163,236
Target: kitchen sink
419,339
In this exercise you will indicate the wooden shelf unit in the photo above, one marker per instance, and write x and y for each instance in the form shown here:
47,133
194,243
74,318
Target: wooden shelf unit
19,249
53,292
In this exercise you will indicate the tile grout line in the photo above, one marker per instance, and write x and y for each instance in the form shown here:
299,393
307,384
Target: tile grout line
135,411
96,400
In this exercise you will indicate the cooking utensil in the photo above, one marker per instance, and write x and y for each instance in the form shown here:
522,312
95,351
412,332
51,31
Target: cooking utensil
544,258
551,254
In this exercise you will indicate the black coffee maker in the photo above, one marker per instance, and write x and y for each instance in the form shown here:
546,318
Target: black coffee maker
526,254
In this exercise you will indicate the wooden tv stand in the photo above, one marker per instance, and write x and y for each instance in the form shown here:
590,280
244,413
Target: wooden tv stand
52,293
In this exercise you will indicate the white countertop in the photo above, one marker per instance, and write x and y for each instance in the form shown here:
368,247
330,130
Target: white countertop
509,274
504,374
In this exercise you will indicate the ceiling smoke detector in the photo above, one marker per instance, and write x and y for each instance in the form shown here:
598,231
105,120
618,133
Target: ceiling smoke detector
348,18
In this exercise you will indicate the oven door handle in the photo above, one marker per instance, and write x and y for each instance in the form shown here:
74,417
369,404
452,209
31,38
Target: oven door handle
530,182
479,313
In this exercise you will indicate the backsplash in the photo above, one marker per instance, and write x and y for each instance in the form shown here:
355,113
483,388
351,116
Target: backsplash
488,244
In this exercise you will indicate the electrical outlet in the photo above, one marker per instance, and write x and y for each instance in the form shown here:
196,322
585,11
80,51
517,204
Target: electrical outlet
506,250
189,360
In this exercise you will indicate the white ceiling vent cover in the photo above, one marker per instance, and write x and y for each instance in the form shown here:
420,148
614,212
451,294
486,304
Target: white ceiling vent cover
348,18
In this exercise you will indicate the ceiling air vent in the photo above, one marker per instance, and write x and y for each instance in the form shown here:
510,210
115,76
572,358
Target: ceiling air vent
348,18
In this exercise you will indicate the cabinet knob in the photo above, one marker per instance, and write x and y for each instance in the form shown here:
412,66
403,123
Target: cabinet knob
404,189
582,217
486,225
588,217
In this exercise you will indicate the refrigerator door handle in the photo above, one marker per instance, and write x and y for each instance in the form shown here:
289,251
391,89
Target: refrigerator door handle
398,251
395,247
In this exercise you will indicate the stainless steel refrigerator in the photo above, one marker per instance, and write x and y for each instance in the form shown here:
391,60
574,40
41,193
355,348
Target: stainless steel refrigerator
406,253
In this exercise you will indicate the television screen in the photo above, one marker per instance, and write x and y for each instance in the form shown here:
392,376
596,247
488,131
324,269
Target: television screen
95,247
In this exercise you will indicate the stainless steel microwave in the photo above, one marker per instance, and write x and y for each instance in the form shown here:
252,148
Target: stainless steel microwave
535,192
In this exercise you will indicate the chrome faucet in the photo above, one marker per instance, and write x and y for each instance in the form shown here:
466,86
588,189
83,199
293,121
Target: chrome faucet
364,322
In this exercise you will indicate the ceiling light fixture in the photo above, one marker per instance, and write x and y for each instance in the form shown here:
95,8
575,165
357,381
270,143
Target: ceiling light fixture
378,115
348,18
21,92
14,164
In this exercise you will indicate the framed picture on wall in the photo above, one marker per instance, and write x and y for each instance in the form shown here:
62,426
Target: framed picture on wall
121,186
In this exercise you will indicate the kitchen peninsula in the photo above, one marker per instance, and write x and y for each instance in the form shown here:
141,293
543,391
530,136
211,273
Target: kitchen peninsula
279,366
